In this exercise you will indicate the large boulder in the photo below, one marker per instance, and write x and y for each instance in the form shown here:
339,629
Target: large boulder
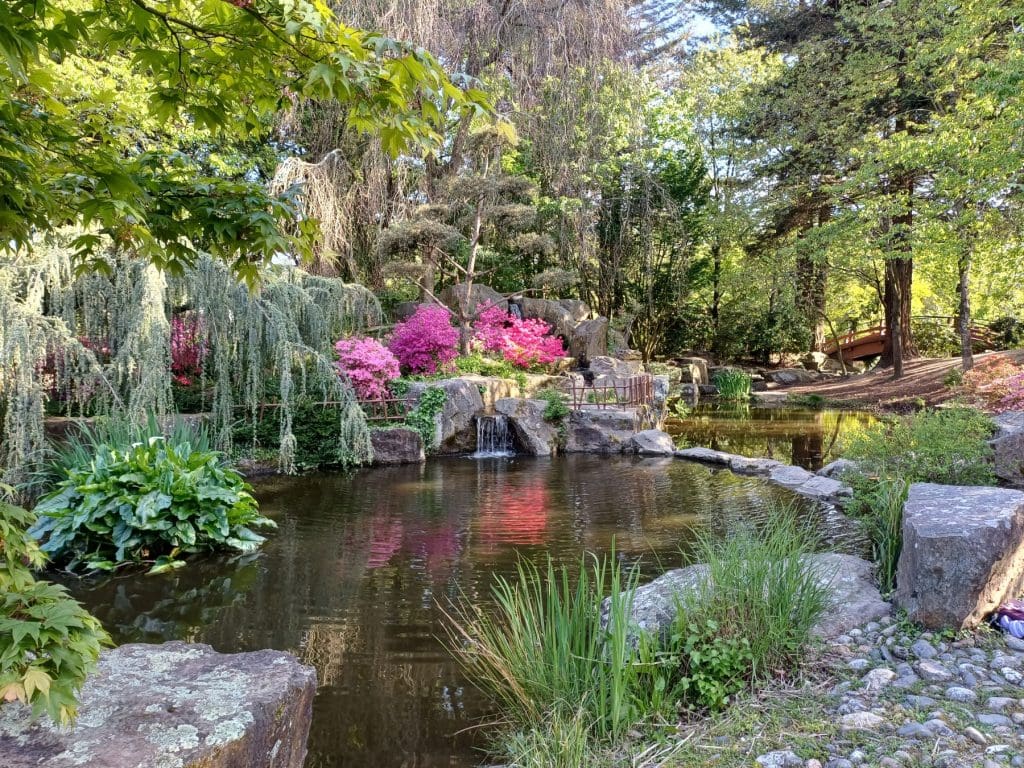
613,369
174,706
589,339
593,430
578,310
695,370
533,433
1008,447
455,295
553,313
853,597
456,423
651,442
791,376
963,553
397,445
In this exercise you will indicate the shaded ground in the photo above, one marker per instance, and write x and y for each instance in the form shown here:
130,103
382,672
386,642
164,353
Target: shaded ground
923,378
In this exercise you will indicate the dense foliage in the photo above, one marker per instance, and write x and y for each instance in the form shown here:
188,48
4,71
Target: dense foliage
944,446
48,642
148,500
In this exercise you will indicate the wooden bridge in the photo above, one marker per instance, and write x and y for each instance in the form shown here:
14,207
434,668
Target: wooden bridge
868,342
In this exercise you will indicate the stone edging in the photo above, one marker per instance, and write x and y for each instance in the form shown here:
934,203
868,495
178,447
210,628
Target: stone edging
801,481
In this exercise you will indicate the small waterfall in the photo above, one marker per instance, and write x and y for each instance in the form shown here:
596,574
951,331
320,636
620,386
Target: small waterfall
515,310
493,438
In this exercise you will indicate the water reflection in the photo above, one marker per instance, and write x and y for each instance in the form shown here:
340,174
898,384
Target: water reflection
351,580
802,436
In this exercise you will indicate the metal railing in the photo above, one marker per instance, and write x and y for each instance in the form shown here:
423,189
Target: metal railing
634,392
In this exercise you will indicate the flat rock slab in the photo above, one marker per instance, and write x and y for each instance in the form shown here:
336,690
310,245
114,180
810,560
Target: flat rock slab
599,430
963,553
651,442
174,705
796,479
853,597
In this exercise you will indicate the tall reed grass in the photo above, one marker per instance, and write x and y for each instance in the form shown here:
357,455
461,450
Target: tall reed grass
571,672
733,384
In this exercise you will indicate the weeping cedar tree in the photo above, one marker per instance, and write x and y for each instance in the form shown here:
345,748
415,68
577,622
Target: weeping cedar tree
100,343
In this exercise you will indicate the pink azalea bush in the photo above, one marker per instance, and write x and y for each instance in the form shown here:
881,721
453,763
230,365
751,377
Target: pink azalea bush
188,348
368,365
998,382
523,342
425,342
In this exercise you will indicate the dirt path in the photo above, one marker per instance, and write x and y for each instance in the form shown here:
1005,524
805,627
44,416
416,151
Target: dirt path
923,378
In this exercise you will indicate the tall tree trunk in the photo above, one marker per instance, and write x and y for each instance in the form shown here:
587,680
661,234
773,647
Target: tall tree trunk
716,295
964,312
899,277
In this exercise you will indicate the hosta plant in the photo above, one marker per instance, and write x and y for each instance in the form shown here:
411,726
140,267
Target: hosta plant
150,502
48,642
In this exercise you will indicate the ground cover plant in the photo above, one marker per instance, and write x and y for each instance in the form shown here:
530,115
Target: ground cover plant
147,499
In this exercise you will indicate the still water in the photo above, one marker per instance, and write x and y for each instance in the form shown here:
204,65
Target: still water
802,436
352,580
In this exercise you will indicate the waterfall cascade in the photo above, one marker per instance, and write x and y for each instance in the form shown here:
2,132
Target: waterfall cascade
493,437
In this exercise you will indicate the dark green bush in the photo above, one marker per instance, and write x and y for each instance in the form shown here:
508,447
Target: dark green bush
145,501
48,642
317,430
556,409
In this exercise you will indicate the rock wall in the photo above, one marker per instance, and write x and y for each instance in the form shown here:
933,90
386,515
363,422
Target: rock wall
456,424
397,445
174,706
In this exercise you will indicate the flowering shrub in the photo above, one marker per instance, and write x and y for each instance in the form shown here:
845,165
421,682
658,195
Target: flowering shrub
525,343
426,341
188,348
369,365
998,382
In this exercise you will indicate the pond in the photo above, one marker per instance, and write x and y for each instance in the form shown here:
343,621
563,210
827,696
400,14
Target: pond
805,437
353,579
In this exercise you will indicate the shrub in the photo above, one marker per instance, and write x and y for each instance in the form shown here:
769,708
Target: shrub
368,365
733,384
526,343
554,652
426,342
48,642
757,607
947,446
556,409
997,383
148,500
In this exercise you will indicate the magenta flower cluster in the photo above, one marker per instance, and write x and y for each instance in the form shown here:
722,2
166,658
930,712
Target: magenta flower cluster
188,348
523,342
426,342
368,365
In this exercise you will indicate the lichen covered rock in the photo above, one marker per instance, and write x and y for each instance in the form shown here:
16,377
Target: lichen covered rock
397,445
534,434
174,705
963,553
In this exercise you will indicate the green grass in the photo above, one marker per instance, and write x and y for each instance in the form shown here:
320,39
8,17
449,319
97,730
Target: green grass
878,504
733,385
